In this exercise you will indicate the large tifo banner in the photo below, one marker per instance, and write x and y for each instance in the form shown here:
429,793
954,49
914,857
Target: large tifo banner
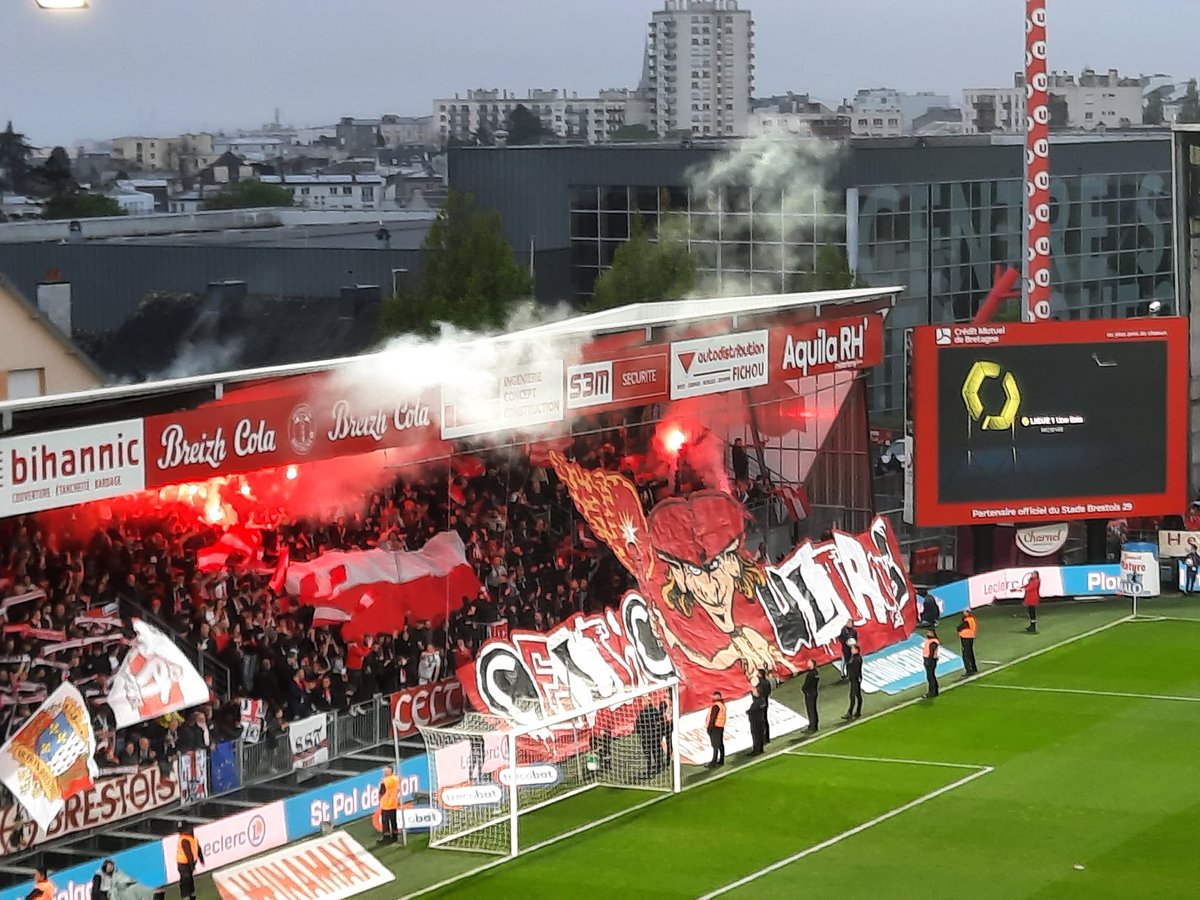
113,798
703,606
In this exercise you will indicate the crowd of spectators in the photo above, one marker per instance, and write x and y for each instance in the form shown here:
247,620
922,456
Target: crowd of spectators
72,584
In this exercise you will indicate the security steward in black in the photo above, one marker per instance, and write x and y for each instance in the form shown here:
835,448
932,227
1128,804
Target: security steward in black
716,730
764,687
966,636
854,676
847,636
758,720
812,684
930,652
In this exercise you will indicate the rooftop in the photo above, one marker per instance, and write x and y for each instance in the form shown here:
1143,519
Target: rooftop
404,236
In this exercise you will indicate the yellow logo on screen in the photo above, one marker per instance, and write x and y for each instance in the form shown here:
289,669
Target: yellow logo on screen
980,372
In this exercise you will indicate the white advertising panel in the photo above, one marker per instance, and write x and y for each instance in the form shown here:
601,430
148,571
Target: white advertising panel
714,364
62,468
328,868
520,396
232,839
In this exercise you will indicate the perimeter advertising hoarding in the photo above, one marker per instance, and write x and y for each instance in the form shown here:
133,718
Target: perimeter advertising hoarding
1049,421
61,468
304,418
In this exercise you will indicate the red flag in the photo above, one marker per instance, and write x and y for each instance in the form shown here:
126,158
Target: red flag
376,589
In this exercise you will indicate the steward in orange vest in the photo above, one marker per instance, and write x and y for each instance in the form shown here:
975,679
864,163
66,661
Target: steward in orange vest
966,637
188,856
389,803
930,652
43,887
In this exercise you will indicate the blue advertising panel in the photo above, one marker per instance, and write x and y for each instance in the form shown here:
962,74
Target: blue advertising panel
144,863
1093,580
349,799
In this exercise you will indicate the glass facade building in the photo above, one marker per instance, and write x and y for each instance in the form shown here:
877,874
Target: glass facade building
1111,250
745,241
935,216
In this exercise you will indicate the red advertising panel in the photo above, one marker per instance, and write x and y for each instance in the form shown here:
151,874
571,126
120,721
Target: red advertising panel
311,422
312,417
428,704
826,345
619,382
1050,421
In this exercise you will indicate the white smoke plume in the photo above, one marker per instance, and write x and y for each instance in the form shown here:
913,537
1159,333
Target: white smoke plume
467,366
202,357
774,198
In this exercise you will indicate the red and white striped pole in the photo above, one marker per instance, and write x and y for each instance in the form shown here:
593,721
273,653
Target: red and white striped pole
1037,166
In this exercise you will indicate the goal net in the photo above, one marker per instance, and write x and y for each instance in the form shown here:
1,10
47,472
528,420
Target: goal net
486,774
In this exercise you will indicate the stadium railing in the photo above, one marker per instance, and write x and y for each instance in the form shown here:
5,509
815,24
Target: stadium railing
364,726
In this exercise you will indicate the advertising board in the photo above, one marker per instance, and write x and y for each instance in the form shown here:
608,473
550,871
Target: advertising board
61,468
426,704
516,397
111,799
306,418
232,839
713,365
1049,422
328,868
349,799
1093,580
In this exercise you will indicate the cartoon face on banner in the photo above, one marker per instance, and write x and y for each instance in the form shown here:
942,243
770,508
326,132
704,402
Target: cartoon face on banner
721,616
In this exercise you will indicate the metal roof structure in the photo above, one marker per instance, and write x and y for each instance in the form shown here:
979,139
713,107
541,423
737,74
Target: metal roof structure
147,398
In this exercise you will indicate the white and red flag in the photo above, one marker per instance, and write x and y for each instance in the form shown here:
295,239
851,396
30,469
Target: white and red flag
245,543
155,678
795,501
372,591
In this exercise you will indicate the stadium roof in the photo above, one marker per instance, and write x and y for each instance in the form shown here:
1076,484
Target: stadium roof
147,398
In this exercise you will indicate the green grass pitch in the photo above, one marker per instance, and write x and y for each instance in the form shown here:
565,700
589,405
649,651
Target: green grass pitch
1084,755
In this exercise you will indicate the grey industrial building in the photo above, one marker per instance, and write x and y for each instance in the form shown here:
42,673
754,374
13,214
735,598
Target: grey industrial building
935,215
186,301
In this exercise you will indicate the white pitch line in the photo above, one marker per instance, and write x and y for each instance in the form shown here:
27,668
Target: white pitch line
538,846
1055,690
886,759
765,757
1167,619
838,838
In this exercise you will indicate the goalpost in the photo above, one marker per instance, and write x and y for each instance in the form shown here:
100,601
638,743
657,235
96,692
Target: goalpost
486,773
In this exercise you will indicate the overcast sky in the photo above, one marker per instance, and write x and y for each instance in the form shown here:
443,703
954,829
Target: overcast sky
165,66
